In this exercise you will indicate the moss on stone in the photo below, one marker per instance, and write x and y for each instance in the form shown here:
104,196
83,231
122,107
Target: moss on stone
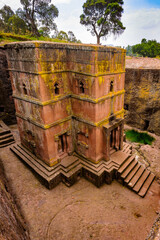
139,137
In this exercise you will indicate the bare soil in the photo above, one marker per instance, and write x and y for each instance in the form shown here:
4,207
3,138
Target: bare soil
142,62
83,211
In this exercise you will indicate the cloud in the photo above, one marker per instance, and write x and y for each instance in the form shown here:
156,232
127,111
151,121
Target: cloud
61,1
142,23
144,18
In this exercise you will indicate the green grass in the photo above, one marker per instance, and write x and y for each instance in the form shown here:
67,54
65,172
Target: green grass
139,137
9,37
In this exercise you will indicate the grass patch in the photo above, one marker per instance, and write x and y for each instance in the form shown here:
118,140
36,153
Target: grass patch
9,37
139,137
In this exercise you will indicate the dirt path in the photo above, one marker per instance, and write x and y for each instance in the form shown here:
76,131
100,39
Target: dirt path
83,211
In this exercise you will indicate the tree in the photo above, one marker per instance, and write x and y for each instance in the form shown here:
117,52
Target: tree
71,37
150,48
62,36
102,17
129,50
38,11
17,25
44,31
5,13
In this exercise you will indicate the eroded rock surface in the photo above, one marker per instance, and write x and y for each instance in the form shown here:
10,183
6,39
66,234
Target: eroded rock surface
12,225
142,99
7,109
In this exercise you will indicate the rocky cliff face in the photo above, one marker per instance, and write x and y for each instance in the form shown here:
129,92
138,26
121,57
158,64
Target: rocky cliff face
12,225
142,99
7,110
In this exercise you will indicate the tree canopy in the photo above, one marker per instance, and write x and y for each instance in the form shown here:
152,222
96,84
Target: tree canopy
36,17
36,12
17,25
5,14
150,48
68,37
102,17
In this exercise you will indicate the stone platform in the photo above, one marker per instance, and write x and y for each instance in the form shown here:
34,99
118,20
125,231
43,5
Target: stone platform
6,137
121,166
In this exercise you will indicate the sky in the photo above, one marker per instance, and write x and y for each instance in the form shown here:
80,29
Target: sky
140,17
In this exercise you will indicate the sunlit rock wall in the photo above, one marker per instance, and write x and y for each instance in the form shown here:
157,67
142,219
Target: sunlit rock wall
142,99
64,94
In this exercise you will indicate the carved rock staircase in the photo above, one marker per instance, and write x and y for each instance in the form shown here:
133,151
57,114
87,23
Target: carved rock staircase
122,166
135,176
6,137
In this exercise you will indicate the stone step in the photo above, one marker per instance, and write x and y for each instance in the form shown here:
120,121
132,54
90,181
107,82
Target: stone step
141,181
125,164
129,169
6,140
6,136
72,172
136,177
68,172
29,158
132,173
26,158
119,158
4,132
29,163
7,144
113,150
65,166
146,185
128,151
126,146
33,157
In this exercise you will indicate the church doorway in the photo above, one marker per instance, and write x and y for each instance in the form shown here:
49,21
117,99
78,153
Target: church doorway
62,145
115,138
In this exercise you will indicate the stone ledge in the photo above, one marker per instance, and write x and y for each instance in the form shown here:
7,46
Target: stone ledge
70,169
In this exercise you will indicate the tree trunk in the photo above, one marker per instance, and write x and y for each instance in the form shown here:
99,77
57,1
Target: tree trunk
98,40
34,29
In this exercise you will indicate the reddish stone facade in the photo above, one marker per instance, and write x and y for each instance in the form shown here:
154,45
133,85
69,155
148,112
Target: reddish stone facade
68,98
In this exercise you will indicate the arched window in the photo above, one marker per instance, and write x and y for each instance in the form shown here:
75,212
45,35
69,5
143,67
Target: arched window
56,88
111,86
24,89
81,86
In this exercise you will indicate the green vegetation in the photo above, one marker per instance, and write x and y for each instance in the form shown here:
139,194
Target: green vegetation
150,48
102,17
139,137
68,37
9,37
33,22
34,16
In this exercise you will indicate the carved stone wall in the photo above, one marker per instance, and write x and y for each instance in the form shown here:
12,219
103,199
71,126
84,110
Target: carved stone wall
7,109
142,99
64,95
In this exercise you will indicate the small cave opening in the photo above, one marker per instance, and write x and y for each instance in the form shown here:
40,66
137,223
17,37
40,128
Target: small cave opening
56,88
111,86
81,86
146,124
24,89
126,106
